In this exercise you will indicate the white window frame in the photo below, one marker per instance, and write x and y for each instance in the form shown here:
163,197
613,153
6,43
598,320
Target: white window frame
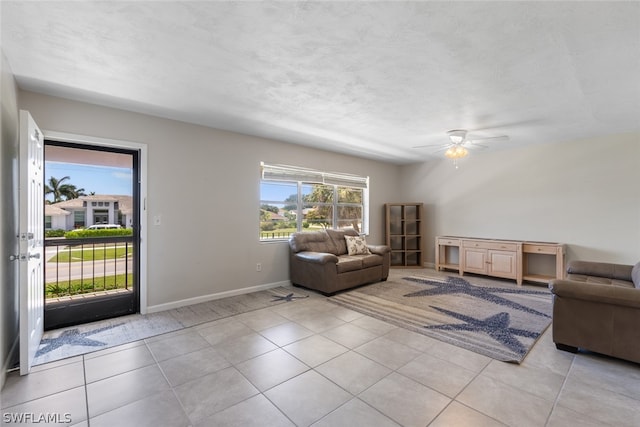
302,176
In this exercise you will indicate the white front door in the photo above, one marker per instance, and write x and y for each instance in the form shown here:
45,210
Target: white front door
31,257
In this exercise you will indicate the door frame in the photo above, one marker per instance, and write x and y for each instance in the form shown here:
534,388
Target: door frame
143,167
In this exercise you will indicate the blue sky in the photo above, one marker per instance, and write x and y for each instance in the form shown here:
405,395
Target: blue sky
97,179
276,191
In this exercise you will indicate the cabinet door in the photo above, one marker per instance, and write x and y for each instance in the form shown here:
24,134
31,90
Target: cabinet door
475,260
502,264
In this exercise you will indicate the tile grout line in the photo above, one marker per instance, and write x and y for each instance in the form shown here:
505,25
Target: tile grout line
564,382
86,390
455,398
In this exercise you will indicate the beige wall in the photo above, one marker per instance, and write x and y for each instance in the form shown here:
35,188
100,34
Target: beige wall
582,193
204,183
8,217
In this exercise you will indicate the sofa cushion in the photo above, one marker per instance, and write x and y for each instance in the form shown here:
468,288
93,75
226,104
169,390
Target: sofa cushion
599,280
600,269
356,245
635,275
337,236
371,260
348,263
312,241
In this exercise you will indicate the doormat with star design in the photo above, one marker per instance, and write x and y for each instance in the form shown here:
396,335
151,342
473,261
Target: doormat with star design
500,320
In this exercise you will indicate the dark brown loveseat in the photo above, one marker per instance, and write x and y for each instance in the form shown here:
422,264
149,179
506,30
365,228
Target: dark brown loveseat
319,260
598,309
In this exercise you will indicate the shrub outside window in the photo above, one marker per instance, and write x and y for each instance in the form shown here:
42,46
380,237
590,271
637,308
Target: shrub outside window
296,199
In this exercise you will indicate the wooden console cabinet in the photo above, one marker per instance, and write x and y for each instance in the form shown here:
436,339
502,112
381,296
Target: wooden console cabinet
498,259
507,259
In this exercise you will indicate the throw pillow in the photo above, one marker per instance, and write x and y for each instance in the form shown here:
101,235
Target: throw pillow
356,245
635,275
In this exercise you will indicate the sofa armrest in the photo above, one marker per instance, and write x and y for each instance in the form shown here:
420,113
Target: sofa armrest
316,257
600,269
595,292
379,249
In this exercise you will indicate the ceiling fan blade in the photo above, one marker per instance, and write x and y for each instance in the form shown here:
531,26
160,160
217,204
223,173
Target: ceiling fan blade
432,145
476,145
499,138
443,148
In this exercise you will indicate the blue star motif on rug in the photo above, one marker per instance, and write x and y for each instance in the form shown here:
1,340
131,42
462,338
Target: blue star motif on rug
289,297
72,337
496,326
457,285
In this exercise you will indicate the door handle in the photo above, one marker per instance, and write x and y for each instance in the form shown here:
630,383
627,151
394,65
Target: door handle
24,257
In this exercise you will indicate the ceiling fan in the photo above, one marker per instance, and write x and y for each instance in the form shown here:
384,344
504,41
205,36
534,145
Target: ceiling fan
460,141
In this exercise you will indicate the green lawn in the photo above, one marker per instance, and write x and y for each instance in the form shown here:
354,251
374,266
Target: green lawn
100,254
86,286
283,233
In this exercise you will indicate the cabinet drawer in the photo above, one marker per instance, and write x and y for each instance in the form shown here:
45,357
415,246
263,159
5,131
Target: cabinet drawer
501,246
538,249
448,242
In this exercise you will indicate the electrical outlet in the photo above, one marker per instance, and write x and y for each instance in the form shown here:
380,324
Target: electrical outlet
258,267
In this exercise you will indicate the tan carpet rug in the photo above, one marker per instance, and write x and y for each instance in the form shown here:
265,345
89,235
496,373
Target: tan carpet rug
501,320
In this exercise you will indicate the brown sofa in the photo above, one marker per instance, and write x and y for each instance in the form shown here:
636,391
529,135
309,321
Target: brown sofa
319,260
598,309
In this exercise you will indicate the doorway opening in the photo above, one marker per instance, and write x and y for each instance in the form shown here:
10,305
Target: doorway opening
92,233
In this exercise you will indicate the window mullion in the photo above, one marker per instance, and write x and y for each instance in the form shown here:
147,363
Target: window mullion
334,209
300,208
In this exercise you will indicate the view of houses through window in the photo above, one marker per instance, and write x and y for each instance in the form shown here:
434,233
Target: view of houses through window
291,201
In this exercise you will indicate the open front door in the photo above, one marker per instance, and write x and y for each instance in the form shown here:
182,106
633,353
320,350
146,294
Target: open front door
31,257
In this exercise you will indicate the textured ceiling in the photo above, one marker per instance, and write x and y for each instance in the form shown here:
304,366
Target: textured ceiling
368,78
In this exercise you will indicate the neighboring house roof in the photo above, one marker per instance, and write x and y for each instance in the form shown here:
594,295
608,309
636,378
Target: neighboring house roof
125,203
274,216
50,210
69,204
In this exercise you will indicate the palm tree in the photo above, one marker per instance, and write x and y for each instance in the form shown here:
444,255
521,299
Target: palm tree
60,190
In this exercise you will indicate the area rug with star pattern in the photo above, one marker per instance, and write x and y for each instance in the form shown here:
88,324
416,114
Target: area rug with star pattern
500,320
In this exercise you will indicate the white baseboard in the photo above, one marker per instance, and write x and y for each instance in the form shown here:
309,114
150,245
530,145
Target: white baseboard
429,264
211,297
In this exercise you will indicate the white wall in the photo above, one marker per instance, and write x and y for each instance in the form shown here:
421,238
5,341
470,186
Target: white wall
204,183
59,222
583,193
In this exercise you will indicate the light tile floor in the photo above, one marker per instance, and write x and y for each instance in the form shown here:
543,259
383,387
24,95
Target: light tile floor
313,363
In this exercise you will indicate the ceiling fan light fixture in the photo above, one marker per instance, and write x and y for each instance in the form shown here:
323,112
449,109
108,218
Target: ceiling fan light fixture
457,136
456,152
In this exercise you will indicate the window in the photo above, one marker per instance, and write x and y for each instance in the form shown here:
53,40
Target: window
296,199
47,222
78,219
